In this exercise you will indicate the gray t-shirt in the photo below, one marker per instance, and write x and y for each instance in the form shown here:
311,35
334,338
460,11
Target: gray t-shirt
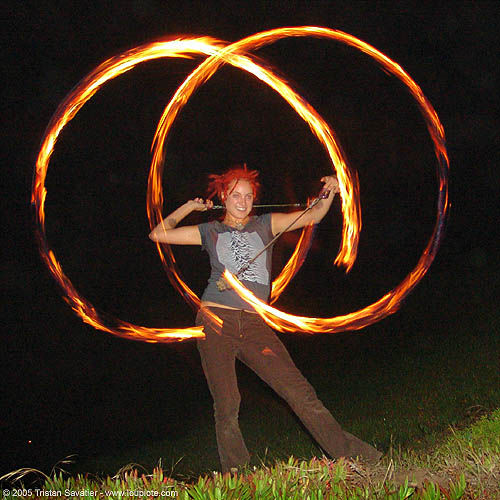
230,248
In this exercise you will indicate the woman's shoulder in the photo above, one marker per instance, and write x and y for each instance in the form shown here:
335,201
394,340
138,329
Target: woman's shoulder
213,225
264,219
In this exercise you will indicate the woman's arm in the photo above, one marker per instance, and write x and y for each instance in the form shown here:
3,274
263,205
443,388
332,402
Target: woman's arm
166,232
280,222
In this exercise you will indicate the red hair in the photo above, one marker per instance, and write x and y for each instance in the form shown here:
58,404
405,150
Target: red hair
219,184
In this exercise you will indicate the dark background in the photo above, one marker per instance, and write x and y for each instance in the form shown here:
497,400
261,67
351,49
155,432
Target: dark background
70,389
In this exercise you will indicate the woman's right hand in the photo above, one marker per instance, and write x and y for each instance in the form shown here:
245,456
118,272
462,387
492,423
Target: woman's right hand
200,205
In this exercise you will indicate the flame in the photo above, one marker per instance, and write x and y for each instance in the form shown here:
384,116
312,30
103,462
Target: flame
65,112
231,54
219,53
235,54
348,182
293,265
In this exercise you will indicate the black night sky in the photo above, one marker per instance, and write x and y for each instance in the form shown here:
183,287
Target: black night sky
70,389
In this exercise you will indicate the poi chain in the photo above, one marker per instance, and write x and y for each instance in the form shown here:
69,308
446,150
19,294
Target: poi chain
236,54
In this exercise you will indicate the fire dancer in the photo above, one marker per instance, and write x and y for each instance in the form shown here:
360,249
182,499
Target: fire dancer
233,244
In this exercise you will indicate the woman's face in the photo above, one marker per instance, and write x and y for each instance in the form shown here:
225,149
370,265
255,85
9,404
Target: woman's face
239,200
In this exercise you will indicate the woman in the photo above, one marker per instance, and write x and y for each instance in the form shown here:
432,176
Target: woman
232,244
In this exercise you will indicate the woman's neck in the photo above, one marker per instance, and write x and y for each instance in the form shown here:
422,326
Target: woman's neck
231,221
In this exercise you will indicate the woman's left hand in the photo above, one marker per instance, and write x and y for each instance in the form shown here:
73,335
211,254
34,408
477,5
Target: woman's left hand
331,184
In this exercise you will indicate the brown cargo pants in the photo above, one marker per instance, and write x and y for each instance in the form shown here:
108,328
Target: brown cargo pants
247,337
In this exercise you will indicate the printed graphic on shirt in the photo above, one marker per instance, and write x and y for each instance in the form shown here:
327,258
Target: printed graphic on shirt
234,250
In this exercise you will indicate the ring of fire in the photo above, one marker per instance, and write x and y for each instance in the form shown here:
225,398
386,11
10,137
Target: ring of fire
233,54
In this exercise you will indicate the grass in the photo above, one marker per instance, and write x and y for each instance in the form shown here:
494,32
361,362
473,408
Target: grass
475,451
465,466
